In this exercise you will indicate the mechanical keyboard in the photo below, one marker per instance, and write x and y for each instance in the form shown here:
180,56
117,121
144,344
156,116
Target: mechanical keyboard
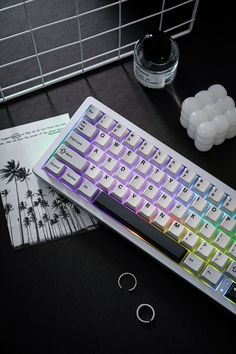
154,197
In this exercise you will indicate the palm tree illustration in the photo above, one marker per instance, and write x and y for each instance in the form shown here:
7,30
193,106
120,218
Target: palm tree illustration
52,223
37,204
5,193
24,177
78,214
8,208
33,219
11,172
45,205
56,219
64,214
56,205
23,207
72,209
41,226
31,212
67,205
65,202
46,221
74,215
26,223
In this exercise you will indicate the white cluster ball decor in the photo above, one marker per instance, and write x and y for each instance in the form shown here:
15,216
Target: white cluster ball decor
209,117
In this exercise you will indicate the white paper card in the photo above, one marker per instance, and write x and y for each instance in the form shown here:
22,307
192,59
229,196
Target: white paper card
34,212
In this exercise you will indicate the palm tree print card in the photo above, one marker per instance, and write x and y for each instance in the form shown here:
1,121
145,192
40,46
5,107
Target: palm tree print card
34,211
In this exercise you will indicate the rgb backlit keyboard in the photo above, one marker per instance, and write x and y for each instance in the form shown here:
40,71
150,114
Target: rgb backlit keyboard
163,203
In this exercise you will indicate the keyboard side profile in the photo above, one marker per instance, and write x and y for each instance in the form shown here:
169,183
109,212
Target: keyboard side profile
154,197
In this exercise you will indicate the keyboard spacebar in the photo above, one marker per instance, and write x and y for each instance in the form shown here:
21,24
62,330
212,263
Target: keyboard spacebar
148,232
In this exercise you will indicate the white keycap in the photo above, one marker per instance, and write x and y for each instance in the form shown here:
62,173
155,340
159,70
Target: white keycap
123,173
71,178
71,158
55,167
162,220
213,214
134,201
157,176
137,183
220,260
148,211
88,189
96,155
120,192
133,140
116,149
102,140
160,158
193,221
185,195
146,149
93,173
202,186
106,183
150,192
171,185
229,205
207,231
78,143
216,196
211,276
130,158
176,230
143,167
222,241
109,164
106,123
87,129
231,270
193,263
93,113
119,132
205,250
188,177
179,212
165,201
173,167
232,251
228,224
199,205
190,240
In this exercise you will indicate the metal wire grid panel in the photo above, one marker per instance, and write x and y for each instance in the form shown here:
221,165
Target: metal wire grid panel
43,42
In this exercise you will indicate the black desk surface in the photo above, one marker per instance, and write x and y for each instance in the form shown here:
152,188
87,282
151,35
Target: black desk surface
62,297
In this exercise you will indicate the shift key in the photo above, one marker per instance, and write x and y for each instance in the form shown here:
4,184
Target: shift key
71,158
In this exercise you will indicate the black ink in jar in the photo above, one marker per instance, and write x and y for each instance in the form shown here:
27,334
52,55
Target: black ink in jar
156,58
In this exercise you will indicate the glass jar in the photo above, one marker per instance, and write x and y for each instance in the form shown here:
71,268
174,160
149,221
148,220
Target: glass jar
156,58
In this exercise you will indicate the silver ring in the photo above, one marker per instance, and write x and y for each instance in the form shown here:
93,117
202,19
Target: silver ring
141,319
127,274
